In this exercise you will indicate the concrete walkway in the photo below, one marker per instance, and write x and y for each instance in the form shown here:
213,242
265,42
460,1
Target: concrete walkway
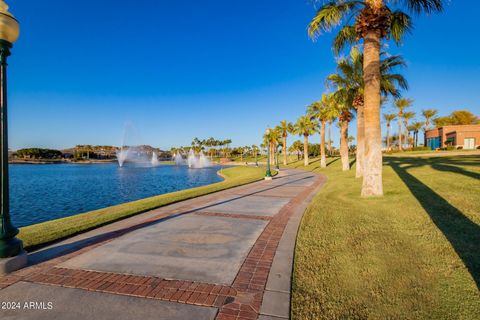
226,256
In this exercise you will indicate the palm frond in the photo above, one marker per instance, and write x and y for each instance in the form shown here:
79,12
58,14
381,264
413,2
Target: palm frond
427,6
336,80
400,24
346,36
400,80
330,15
391,62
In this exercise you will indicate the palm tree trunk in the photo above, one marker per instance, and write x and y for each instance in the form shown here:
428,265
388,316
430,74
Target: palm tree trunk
344,145
388,137
360,141
272,153
400,134
427,123
323,160
372,174
285,150
330,138
305,150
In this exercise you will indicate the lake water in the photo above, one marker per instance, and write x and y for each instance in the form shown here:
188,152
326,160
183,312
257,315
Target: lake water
40,193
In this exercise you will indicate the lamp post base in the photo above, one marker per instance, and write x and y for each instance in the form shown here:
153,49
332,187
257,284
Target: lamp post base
268,178
8,265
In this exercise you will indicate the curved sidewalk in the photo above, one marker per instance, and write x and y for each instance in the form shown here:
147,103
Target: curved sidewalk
226,256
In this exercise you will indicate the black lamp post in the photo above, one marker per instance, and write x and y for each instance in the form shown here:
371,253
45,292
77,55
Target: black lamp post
10,246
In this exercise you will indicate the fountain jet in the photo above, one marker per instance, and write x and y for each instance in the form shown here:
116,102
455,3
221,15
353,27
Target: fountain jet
195,161
179,161
155,161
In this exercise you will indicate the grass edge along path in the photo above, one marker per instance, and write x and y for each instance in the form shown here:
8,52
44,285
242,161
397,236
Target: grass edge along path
412,254
44,233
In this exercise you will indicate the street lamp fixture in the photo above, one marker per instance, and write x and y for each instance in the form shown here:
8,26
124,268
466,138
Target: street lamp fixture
11,249
268,173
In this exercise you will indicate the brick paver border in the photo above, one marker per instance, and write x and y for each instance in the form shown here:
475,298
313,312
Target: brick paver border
190,292
253,275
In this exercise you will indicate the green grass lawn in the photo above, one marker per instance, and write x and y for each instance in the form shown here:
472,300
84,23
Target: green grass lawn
433,152
249,159
47,232
413,254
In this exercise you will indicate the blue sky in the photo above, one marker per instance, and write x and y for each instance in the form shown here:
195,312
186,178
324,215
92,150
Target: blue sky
81,70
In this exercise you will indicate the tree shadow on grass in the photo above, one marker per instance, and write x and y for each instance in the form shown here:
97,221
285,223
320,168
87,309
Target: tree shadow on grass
461,232
353,162
447,164
449,168
296,163
331,162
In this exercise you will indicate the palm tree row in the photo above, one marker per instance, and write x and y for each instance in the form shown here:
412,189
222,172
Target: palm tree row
403,118
213,146
349,83
373,22
340,105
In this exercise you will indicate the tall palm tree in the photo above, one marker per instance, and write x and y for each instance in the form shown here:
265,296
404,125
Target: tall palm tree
407,116
271,140
342,107
429,115
296,147
389,118
349,78
331,120
332,117
416,127
372,21
255,150
285,129
277,143
305,127
344,119
322,110
350,141
263,146
401,105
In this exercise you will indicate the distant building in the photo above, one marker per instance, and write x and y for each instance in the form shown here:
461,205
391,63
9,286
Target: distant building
465,136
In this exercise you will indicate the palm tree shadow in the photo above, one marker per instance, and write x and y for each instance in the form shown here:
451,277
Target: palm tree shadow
353,162
331,162
461,232
448,168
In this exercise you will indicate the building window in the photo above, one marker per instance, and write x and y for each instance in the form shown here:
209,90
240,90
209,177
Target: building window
450,141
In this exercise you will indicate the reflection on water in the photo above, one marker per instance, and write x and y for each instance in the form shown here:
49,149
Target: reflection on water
45,192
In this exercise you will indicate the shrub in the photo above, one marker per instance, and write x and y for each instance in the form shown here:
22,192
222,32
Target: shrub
448,148
421,149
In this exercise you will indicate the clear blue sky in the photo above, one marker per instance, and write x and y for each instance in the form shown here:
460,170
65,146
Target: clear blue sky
180,69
